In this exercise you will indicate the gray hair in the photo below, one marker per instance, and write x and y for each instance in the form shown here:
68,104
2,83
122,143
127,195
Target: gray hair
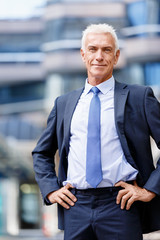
99,28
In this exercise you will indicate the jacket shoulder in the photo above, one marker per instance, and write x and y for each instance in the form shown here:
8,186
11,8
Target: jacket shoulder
140,91
136,87
132,87
136,93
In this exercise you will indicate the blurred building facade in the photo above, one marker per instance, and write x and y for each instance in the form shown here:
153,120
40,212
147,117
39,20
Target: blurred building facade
39,60
22,80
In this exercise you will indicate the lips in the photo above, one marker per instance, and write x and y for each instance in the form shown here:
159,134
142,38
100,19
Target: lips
98,65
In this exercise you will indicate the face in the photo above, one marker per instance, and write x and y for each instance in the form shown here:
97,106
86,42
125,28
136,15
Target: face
99,57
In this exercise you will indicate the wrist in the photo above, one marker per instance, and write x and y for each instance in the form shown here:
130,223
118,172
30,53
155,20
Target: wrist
151,194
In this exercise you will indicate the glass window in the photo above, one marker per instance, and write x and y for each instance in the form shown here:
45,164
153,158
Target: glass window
19,128
21,92
131,74
137,13
153,13
72,27
73,81
143,12
20,42
152,73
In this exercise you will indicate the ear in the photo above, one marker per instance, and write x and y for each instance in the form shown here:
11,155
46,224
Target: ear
82,55
116,57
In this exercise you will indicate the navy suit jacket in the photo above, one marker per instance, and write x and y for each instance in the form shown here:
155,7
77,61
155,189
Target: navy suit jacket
137,117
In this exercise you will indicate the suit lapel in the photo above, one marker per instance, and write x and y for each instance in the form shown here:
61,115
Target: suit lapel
69,110
120,98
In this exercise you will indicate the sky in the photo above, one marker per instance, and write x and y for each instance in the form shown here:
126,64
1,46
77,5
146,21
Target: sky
19,8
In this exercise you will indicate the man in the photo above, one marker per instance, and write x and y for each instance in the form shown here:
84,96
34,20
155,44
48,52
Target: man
107,187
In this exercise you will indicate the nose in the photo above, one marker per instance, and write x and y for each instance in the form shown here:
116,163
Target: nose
99,56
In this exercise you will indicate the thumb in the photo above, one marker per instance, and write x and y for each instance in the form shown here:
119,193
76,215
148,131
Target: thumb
68,186
120,184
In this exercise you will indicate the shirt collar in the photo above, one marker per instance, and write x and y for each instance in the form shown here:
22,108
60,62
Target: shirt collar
104,87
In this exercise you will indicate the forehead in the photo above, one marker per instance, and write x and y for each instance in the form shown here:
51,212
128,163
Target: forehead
99,39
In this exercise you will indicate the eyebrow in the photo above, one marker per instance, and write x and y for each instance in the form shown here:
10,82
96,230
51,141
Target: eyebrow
104,47
90,46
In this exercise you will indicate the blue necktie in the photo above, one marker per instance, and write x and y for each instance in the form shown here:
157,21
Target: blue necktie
93,160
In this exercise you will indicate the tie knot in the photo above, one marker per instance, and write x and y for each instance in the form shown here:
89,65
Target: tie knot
95,90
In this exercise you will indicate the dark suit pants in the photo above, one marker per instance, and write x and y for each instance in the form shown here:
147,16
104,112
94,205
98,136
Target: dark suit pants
96,216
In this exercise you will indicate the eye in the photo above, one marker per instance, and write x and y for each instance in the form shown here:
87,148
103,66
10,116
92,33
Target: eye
107,50
92,49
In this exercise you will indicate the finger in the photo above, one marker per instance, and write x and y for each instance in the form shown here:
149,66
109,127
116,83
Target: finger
70,195
68,186
129,203
60,198
121,184
125,199
62,203
66,199
120,195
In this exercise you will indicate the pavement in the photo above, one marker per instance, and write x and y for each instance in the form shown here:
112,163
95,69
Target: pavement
59,236
33,235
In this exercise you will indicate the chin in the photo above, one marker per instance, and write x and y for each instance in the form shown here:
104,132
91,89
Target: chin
97,71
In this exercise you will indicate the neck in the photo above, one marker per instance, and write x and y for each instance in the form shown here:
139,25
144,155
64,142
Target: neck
96,81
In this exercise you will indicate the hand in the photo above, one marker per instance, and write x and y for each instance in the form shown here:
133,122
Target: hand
132,193
63,196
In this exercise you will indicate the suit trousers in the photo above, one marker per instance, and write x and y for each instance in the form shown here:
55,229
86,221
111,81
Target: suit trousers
96,216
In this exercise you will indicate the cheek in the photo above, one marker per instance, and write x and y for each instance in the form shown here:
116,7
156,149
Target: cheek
110,61
89,60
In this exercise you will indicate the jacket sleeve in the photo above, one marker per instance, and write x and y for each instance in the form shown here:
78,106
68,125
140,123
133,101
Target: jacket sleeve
152,111
43,157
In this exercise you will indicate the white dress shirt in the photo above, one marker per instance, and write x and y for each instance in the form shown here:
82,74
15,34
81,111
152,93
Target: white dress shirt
114,164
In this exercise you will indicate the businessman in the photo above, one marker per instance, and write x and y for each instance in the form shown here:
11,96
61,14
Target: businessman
107,186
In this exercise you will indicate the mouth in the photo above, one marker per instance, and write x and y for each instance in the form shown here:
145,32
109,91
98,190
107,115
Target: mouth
99,65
